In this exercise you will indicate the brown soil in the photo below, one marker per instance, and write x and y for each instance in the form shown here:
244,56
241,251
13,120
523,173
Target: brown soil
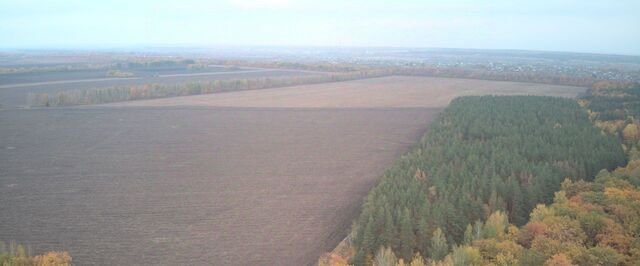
193,186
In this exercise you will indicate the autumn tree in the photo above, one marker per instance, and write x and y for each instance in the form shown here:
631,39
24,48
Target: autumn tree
496,225
559,260
52,259
385,257
466,256
417,260
630,133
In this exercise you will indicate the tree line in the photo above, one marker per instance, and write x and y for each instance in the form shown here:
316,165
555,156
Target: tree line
316,66
57,68
151,91
484,156
487,74
432,70
154,63
121,64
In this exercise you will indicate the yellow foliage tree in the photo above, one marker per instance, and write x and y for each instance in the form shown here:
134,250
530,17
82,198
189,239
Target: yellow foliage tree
559,260
540,213
417,260
630,133
496,225
53,259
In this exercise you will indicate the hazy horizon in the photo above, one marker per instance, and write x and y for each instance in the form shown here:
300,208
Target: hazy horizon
564,26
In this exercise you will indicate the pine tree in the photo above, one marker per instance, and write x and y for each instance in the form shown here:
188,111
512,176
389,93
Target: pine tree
369,238
517,214
439,247
468,235
423,236
407,238
389,234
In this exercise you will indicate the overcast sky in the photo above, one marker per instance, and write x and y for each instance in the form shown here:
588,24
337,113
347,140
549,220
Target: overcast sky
580,26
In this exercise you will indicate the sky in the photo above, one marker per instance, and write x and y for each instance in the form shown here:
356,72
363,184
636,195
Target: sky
551,25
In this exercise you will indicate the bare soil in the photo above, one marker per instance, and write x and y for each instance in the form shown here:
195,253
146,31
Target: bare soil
193,186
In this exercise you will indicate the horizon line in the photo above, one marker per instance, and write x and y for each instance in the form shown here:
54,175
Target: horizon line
133,47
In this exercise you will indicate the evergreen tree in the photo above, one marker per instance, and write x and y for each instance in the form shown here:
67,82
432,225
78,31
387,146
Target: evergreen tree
439,247
468,235
389,234
369,238
407,238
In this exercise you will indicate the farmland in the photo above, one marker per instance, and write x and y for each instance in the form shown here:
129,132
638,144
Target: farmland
263,177
168,186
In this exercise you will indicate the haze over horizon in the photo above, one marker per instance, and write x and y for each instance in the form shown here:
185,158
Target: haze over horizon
571,26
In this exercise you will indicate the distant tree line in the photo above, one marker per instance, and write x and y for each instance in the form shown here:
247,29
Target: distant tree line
431,70
151,91
316,66
154,63
434,70
57,68
120,74
486,74
485,155
482,72
122,64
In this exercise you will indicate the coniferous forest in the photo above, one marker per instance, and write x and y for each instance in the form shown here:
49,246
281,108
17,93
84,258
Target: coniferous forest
484,155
